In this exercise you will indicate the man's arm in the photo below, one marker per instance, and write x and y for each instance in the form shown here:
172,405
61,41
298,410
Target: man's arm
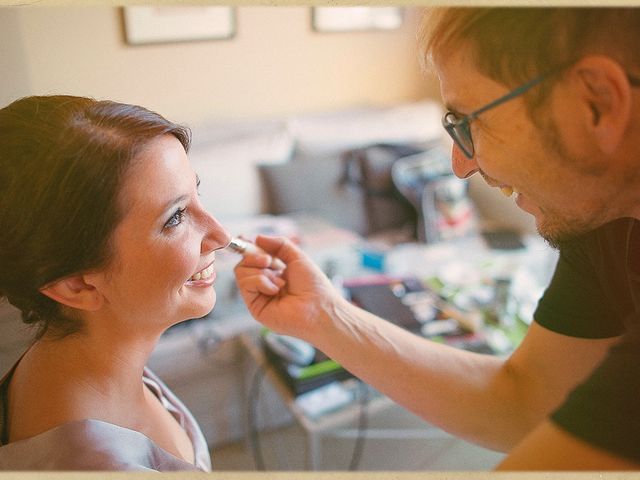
549,447
487,400
545,368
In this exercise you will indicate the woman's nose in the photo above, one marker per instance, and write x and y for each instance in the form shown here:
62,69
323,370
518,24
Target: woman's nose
215,235
462,166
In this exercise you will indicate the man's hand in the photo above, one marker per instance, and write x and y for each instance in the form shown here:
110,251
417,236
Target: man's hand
291,301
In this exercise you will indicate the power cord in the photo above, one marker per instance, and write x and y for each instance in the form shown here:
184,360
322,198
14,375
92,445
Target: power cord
254,434
363,423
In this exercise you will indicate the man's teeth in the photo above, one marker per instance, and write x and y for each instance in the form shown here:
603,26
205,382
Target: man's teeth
506,191
204,274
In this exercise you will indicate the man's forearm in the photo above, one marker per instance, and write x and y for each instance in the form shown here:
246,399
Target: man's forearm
484,399
469,395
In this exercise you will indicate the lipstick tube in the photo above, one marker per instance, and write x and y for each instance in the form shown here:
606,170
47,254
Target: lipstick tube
244,247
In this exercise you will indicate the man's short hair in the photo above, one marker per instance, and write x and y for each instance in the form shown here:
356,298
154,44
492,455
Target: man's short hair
513,45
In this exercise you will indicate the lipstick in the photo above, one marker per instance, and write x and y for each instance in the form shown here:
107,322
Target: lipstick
244,247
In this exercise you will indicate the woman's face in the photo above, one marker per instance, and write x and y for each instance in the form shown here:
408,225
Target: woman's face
162,268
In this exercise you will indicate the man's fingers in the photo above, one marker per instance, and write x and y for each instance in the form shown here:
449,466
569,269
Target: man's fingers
258,260
279,247
265,260
246,270
260,284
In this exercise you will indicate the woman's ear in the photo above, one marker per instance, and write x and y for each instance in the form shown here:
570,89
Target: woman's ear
605,92
74,292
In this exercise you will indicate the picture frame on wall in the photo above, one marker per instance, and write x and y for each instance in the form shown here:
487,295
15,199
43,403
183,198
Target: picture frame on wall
351,19
167,24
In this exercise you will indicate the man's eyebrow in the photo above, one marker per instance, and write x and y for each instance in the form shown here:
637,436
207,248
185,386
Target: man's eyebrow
450,108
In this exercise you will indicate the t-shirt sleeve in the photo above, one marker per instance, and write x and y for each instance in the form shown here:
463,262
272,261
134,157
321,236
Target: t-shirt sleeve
605,410
574,303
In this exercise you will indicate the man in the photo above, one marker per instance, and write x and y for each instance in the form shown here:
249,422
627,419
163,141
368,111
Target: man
543,103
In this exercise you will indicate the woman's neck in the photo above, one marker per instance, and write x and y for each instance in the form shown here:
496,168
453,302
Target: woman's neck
94,374
81,377
109,362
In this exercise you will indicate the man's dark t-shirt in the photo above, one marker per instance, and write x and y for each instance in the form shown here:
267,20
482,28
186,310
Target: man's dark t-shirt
595,293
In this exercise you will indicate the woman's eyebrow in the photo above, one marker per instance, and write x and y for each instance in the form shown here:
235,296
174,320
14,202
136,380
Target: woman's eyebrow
180,198
175,201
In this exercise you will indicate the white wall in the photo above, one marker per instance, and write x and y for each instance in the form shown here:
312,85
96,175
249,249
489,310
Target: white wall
14,80
275,64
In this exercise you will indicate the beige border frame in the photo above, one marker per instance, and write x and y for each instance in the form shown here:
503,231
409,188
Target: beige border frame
328,475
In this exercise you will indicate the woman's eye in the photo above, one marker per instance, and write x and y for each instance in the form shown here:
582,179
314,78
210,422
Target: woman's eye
175,219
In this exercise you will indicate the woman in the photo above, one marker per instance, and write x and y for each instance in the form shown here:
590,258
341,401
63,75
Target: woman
104,244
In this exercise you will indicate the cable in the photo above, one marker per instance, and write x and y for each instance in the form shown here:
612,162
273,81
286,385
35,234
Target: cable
254,437
363,421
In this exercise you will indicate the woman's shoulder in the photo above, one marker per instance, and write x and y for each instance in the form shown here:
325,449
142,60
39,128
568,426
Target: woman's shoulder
88,445
60,436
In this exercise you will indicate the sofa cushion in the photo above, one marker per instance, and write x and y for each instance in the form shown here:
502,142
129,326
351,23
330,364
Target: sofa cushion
226,154
312,184
358,127
226,161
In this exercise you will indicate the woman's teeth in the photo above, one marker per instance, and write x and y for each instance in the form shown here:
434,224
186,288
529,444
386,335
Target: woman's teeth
203,275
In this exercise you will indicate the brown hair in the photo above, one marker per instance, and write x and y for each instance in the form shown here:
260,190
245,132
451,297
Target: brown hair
513,45
62,163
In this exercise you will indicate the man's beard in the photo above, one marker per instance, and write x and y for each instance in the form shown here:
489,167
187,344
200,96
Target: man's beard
555,227
558,231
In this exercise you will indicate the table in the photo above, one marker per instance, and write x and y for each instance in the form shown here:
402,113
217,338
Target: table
454,262
342,423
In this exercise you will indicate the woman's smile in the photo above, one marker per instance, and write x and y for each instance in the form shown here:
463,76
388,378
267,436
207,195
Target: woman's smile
164,246
203,278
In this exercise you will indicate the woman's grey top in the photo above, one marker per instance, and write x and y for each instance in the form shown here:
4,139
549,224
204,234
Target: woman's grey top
97,445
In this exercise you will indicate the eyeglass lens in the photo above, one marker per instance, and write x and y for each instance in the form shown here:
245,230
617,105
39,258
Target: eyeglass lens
461,134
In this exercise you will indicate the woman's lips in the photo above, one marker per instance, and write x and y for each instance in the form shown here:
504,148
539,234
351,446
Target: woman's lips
204,277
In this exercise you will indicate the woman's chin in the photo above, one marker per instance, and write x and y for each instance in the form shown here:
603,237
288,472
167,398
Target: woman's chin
200,306
205,308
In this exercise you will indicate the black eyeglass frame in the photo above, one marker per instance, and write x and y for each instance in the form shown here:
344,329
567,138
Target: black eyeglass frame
452,126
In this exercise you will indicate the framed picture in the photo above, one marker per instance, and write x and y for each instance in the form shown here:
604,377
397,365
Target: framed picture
347,19
148,24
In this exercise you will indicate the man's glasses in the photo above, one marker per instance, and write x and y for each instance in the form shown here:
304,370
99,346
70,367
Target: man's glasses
460,128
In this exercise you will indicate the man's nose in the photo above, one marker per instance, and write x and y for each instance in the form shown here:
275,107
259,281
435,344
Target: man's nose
462,166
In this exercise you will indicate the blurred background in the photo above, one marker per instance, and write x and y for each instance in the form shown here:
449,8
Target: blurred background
298,116
274,63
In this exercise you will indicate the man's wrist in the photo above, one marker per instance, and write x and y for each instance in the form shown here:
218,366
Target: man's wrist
335,316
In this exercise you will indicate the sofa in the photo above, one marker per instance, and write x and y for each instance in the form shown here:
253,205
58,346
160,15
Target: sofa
292,164
251,167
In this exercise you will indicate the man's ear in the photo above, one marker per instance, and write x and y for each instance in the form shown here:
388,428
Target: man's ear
606,94
74,292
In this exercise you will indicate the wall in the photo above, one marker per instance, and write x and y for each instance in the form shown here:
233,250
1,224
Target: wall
14,80
276,63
